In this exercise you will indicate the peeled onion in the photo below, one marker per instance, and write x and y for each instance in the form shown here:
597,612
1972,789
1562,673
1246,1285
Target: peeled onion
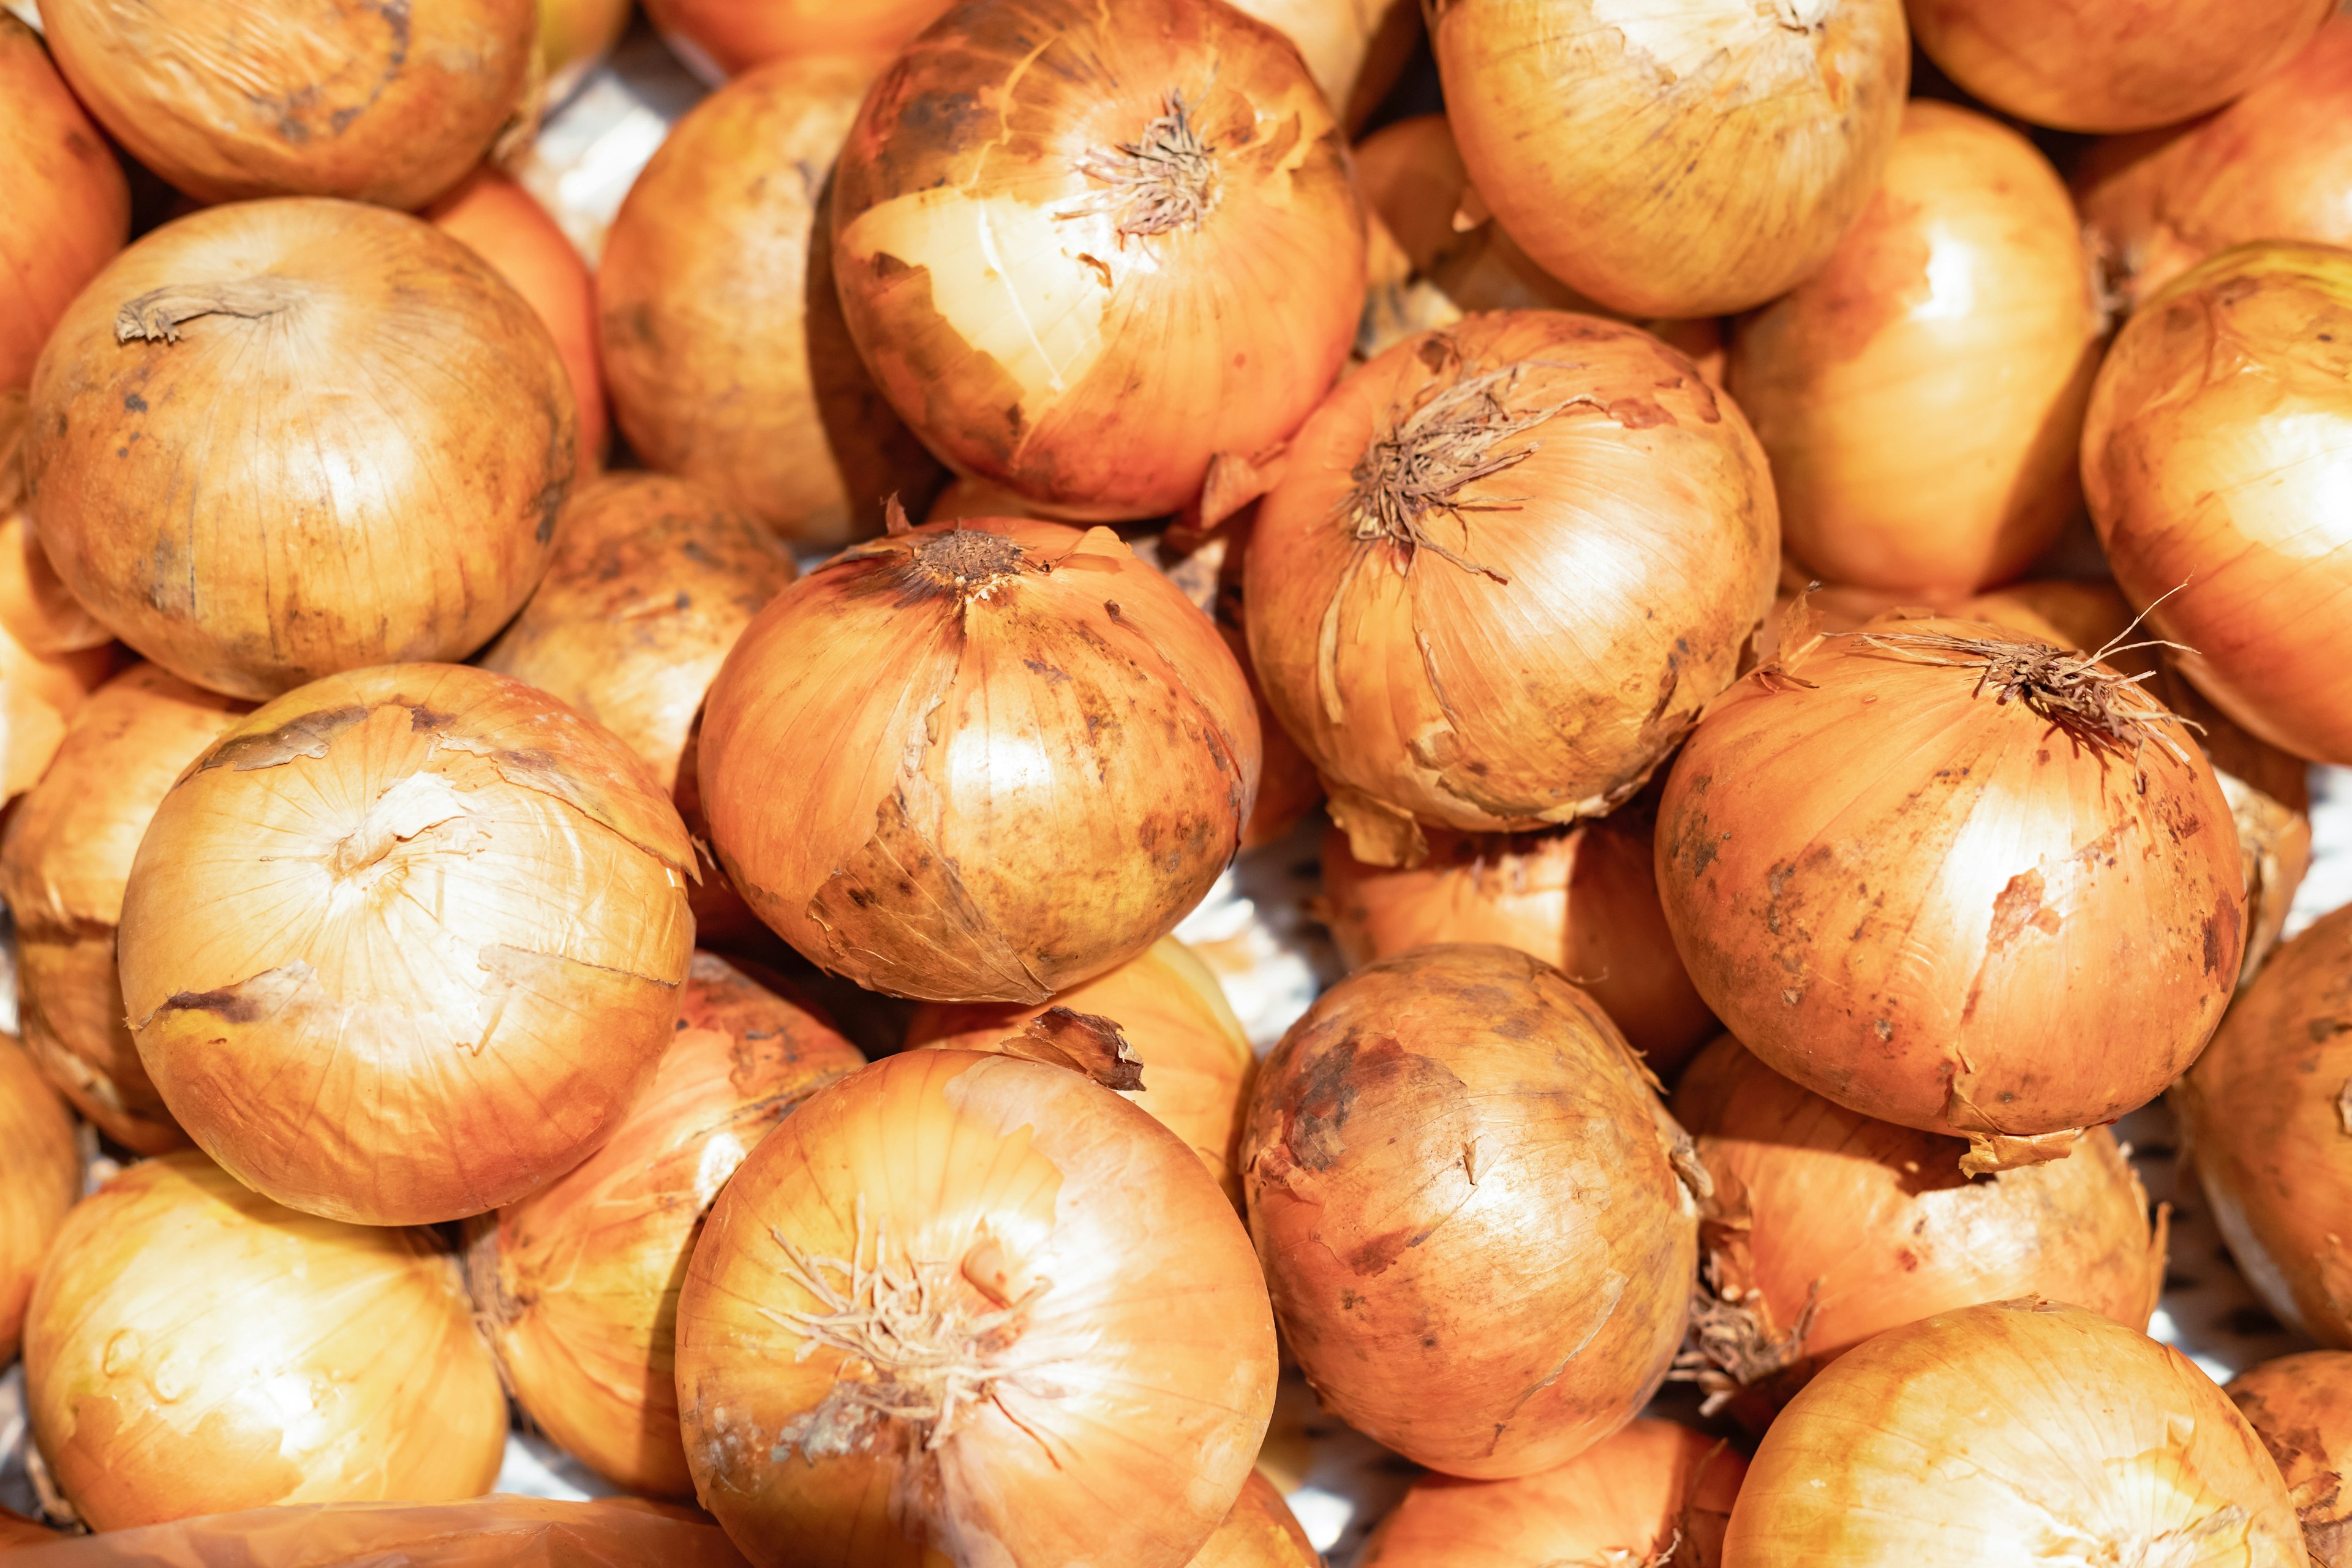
193,1348
2300,1408
1260,1533
1467,1204
68,205
40,1177
1087,1378
720,38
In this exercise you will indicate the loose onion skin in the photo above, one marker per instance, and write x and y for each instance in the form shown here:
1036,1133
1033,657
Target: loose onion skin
721,38
68,205
1130,314
2300,1408
158,1391
2018,1431
1461,1114
476,930
1691,162
1054,1226
40,1177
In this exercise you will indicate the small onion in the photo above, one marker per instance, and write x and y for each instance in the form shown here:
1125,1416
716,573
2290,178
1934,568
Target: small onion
1507,564
1467,1204
36,611
2015,1431
68,205
405,943
1682,160
1169,254
2300,1408
40,1177
970,1309
1260,1533
193,1348
574,35
720,38
38,696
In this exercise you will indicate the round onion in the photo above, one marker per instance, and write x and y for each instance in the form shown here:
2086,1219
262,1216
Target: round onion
1068,756
38,695
720,38
2215,457
2300,1408
1921,396
962,499
1171,259
63,865
68,205
1682,161
2013,1432
40,1177
1459,1179
970,1308
36,611
193,1348
1507,564
1260,1533
278,439
405,943
574,35
578,1283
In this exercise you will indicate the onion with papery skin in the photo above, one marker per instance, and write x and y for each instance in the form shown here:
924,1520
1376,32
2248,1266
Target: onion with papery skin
37,612
1066,755
1260,1533
577,1284
1686,161
38,696
405,943
1459,1179
574,36
68,205
273,440
720,38
193,1348
40,1177
1921,396
1507,565
2300,1408
1089,1374
1334,37
1174,255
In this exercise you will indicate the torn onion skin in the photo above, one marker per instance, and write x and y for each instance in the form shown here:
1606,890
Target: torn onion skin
1464,1113
68,205
1094,1375
40,1177
723,39
476,929
2012,1432
1260,1533
2300,1408
1085,248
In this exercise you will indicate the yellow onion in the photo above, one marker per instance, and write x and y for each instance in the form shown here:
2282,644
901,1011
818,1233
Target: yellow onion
1921,396
1684,160
1260,1533
1056,754
193,1348
37,612
970,1309
68,205
1085,248
1334,37
404,945
1469,1207
40,1177
63,864
2013,1432
2215,457
721,37
574,35
38,696
2300,1408
578,1283
960,500
273,440
1507,564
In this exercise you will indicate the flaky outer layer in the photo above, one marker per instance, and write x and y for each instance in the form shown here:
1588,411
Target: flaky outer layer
405,943
40,1177
2300,1408
68,205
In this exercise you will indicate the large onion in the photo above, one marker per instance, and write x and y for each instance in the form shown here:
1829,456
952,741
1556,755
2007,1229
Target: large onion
972,1308
1086,247
68,205
2300,1408
277,439
1507,564
193,1348
2015,1431
405,943
721,37
40,1177
1262,1532
1684,160
1459,1179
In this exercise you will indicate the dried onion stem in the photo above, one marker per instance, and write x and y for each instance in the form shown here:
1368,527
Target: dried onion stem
1164,180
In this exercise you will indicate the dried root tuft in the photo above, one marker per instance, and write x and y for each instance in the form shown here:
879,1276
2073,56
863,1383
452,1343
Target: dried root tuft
1730,1344
1164,180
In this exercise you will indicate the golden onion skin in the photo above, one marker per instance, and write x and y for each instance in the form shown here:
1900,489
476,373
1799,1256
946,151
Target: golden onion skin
68,205
40,1177
2300,1408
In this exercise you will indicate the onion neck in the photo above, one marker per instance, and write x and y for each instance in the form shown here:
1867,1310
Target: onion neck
1162,181
966,561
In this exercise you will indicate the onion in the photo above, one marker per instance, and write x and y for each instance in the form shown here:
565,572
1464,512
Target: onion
405,943
2013,1432
1410,1093
1085,1378
2215,457
1170,256
1260,1533
68,205
1507,564
1955,881
1069,756
15,1530
574,35
1687,160
227,101
193,1348
38,695
1334,37
720,38
962,499
579,1281
1654,1493
278,439
1921,396
37,612
2300,1408
63,864
40,1177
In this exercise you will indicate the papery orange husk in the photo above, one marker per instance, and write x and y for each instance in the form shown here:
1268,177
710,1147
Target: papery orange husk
40,1177
2300,1408
574,35
1260,1533
721,38
406,943
68,205
1459,1179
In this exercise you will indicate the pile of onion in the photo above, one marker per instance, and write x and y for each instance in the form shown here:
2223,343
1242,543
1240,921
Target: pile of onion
2012,1432
404,945
1170,258
1507,564
2215,457
1262,1532
40,1177
720,38
2300,1408
1459,1179
193,1348
68,205
966,1307
1682,161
